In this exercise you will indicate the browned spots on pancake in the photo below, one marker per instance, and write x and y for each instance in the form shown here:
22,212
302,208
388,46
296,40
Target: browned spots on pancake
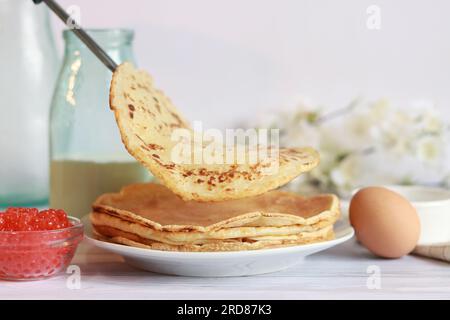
154,146
127,96
187,173
143,87
176,125
179,122
150,113
169,166
131,107
222,177
215,177
211,181
140,139
265,165
131,114
149,146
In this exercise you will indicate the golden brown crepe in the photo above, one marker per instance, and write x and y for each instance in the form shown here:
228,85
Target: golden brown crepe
130,239
152,215
147,121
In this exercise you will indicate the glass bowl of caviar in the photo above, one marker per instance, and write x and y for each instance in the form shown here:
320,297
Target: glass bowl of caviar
36,244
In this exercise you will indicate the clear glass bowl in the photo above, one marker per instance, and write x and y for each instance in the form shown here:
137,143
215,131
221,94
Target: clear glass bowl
34,255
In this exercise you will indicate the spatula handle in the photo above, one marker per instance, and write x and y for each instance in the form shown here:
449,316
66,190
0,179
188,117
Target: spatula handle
81,34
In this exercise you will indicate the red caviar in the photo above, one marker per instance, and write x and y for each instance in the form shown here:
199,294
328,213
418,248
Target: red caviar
36,244
30,219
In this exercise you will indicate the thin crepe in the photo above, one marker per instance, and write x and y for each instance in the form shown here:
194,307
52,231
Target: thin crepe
147,120
155,206
129,239
100,220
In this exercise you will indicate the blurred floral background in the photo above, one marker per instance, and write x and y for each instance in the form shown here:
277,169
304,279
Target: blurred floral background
366,143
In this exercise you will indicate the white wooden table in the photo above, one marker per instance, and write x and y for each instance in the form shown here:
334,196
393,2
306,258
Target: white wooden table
339,273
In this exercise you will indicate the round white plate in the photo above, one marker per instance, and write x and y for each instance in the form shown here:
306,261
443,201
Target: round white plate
221,264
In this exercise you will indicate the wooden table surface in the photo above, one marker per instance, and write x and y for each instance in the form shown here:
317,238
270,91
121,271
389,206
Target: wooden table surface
347,271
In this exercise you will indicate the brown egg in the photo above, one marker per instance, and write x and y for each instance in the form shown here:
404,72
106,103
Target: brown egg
384,221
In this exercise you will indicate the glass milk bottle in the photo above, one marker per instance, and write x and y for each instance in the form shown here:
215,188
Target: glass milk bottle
28,70
87,154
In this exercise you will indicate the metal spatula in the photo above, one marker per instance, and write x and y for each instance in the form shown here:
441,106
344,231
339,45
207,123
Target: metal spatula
81,34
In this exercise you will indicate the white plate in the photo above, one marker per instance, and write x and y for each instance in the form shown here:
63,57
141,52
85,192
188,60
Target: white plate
221,264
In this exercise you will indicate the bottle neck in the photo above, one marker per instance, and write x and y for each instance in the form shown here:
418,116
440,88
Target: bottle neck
116,42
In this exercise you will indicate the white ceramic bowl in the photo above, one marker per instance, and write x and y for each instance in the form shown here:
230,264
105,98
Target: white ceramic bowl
221,264
433,208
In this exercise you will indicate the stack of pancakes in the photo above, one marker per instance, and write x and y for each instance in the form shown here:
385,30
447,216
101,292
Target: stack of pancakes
152,216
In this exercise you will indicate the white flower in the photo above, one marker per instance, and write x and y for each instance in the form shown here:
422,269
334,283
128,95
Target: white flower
358,132
380,110
302,134
432,123
397,132
345,175
367,144
429,149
